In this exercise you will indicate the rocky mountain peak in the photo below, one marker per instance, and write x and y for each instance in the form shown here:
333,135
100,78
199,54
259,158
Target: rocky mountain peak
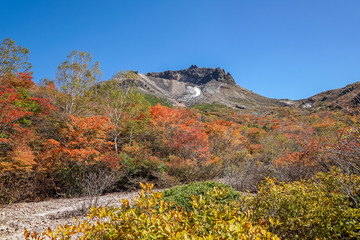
195,75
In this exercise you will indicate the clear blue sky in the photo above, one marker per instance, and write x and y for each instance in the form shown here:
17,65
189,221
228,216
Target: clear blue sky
278,48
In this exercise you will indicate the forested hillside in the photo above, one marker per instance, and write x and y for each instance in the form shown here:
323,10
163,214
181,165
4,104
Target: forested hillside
75,136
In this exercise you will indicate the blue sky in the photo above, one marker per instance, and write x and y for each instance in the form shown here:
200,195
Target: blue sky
277,48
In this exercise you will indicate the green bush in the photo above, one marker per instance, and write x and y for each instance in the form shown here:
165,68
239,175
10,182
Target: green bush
139,169
181,195
307,209
153,100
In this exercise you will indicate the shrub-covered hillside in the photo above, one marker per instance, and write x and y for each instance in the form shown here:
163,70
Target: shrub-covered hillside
78,136
56,136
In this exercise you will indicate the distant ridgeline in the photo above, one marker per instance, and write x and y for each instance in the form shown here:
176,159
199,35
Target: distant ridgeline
194,85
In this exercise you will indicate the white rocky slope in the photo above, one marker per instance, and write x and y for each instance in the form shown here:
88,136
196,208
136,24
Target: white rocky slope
201,85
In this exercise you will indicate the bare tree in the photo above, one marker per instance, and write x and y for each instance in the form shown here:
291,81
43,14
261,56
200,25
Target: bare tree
94,184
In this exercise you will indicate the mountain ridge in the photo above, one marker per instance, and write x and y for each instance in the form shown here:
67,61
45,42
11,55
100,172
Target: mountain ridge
345,97
195,75
194,85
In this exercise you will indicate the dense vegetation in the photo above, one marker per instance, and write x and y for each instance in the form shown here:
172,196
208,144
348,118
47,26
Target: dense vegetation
155,219
79,136
297,210
181,195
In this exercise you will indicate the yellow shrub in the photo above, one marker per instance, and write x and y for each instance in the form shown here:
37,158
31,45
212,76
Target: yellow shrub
308,209
150,217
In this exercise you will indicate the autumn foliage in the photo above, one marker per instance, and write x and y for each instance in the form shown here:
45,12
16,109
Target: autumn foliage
151,217
181,132
85,137
17,111
162,144
114,130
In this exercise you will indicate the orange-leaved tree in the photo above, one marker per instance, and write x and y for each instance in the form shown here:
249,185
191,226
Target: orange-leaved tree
17,111
181,133
226,139
83,141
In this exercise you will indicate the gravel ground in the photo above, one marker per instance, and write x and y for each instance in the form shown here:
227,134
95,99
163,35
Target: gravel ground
38,216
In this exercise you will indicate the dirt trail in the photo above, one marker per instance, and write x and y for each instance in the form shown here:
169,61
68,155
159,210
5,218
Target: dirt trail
38,216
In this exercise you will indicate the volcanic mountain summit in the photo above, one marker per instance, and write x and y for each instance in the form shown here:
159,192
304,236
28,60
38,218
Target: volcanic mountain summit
196,85
196,75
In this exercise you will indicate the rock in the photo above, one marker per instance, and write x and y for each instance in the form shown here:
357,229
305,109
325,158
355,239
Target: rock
240,106
195,75
306,105
193,66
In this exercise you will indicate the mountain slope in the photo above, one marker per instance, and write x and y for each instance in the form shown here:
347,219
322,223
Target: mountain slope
341,98
196,85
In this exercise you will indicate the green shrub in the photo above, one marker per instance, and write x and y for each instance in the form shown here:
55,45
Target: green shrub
306,209
138,169
150,217
181,195
153,100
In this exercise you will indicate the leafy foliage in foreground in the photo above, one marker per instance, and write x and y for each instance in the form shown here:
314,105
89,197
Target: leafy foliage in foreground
318,208
151,217
324,207
181,195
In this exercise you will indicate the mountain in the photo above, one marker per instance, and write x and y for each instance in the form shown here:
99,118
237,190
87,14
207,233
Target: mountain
196,85
341,98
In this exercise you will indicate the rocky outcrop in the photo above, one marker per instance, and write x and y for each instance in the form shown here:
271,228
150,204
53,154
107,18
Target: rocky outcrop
195,75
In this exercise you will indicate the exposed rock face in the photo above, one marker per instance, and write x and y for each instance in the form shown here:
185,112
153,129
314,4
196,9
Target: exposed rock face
196,85
195,75
201,85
